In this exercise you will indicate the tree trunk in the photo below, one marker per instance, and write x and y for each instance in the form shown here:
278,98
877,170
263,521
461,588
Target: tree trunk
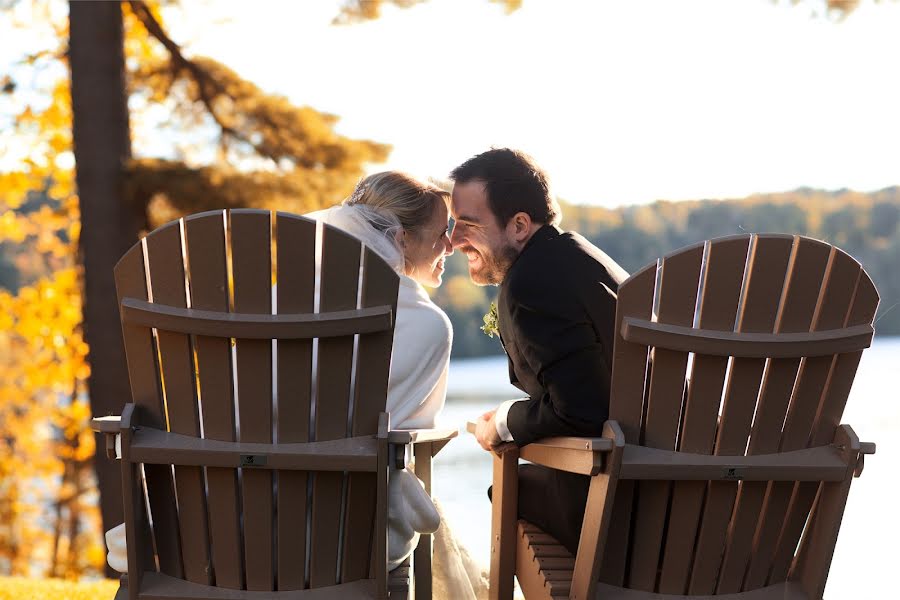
110,224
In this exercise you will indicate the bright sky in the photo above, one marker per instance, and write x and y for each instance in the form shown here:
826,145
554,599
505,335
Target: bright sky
621,101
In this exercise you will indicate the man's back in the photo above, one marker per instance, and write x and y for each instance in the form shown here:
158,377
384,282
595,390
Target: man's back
556,309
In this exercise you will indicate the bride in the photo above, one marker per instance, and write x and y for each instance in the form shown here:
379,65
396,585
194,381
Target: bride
406,222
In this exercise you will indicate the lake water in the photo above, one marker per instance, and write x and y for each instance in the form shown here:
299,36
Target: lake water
863,565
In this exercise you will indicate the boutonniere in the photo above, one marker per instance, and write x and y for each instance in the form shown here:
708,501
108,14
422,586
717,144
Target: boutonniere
491,323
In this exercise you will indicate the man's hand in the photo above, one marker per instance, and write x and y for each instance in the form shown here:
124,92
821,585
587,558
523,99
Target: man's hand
487,436
486,431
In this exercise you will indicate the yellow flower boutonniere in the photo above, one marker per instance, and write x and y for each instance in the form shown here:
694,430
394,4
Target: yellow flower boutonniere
491,323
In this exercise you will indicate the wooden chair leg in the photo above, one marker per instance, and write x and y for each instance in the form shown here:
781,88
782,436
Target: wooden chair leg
504,511
597,518
813,559
422,554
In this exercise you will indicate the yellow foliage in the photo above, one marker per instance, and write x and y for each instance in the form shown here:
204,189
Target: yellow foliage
46,446
20,588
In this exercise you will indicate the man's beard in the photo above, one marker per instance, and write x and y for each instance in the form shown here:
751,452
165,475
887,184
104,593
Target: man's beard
493,266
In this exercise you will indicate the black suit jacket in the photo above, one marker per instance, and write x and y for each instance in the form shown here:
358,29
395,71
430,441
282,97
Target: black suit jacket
556,311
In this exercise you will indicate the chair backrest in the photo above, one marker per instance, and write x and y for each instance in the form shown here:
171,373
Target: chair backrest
207,359
742,345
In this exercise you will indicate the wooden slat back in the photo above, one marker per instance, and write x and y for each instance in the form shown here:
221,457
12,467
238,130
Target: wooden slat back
802,286
739,540
719,298
229,527
252,273
828,381
339,286
626,399
296,269
146,393
379,287
209,288
678,298
763,285
167,281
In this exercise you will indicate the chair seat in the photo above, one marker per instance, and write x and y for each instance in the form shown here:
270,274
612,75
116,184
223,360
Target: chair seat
157,586
782,591
544,569
543,566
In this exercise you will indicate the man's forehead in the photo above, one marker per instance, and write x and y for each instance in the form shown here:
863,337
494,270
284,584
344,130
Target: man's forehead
468,189
469,197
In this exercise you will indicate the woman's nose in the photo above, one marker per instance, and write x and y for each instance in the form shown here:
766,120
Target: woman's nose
448,246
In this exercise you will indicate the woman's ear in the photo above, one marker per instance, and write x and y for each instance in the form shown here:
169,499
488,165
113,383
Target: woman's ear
401,237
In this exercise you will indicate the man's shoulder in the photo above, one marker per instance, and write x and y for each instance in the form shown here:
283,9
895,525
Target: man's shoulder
563,261
592,256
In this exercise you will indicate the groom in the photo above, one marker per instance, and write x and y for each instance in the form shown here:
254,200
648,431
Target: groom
556,310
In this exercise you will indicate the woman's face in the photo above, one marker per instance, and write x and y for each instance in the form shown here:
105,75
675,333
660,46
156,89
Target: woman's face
424,250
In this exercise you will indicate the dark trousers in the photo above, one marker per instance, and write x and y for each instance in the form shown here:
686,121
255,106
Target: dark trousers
553,501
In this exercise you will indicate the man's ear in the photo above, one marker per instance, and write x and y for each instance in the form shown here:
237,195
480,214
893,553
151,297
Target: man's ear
519,228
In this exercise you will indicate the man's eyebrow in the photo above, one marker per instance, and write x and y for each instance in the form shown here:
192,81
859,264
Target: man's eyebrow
468,219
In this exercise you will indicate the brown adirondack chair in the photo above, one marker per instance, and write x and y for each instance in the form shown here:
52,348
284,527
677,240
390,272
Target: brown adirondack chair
264,465
723,471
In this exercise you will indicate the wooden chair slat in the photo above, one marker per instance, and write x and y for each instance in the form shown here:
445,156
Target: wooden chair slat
763,284
677,304
339,281
373,355
167,281
718,308
205,238
863,307
252,275
808,274
140,352
834,386
802,287
635,299
296,270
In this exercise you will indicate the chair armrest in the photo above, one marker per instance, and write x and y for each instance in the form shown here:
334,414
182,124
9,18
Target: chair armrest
582,455
418,436
109,426
437,438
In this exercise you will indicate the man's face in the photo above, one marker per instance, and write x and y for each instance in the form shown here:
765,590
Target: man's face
478,235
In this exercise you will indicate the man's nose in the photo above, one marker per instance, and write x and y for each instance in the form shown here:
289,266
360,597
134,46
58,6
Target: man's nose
456,238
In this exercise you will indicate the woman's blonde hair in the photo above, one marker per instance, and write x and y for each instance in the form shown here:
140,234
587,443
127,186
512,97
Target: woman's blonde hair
409,200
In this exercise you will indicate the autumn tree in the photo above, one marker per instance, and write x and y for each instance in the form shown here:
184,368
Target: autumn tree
299,163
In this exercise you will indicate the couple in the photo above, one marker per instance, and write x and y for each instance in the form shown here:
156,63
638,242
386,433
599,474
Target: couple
556,310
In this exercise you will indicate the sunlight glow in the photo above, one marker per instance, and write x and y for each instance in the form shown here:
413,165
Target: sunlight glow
621,102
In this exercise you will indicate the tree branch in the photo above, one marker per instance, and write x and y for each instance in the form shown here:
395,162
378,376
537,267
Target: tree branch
204,80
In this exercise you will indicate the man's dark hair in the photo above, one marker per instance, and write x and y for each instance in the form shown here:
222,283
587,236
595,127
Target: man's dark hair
513,183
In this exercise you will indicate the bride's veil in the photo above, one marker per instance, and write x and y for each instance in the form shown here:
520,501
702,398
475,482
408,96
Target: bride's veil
377,229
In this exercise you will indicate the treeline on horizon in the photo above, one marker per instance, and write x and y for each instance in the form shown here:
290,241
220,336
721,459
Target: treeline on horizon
866,225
